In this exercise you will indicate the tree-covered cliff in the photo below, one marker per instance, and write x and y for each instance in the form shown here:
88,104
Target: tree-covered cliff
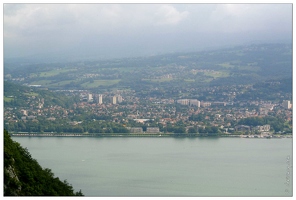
23,176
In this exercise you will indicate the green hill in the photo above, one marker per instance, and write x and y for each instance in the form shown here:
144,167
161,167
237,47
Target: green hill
19,95
23,176
246,64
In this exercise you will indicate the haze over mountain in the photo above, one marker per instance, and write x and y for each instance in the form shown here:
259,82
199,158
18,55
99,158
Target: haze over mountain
65,32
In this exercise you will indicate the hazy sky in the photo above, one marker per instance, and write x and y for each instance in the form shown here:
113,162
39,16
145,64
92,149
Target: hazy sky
116,30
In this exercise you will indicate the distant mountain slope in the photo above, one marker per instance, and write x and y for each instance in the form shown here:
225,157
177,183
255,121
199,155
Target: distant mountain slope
229,66
23,176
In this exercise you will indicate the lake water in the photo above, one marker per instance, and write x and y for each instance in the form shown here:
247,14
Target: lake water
135,166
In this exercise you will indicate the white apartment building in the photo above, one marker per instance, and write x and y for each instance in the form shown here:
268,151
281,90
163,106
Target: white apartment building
183,101
191,102
205,104
152,130
287,104
119,98
100,99
194,102
89,97
114,100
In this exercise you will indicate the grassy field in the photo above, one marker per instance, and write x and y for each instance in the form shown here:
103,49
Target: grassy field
31,94
61,83
216,74
158,80
8,99
250,68
54,72
226,65
41,82
86,85
189,80
97,83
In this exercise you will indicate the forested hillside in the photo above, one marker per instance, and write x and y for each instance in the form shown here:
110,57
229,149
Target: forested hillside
23,176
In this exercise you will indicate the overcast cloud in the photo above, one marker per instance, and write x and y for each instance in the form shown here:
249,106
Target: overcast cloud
117,30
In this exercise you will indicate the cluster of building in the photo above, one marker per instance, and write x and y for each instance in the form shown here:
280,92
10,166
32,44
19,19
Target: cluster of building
245,128
287,104
98,98
195,102
164,111
153,111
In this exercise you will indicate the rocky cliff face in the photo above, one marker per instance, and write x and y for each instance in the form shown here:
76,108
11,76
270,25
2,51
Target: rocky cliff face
12,184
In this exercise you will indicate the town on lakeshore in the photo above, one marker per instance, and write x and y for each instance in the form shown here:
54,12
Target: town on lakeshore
244,91
150,116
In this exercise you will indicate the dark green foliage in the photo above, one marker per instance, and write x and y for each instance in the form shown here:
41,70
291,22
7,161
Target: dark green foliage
271,89
20,98
23,176
208,131
199,117
179,130
192,131
62,126
252,121
277,124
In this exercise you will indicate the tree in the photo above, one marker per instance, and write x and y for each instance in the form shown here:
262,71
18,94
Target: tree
192,131
214,131
23,176
199,117
179,131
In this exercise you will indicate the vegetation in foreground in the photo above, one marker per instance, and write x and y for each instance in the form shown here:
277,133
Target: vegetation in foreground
23,176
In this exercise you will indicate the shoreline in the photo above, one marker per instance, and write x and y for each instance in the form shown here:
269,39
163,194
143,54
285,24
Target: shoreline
23,134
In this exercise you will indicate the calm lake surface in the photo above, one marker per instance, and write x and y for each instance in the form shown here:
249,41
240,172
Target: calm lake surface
135,166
